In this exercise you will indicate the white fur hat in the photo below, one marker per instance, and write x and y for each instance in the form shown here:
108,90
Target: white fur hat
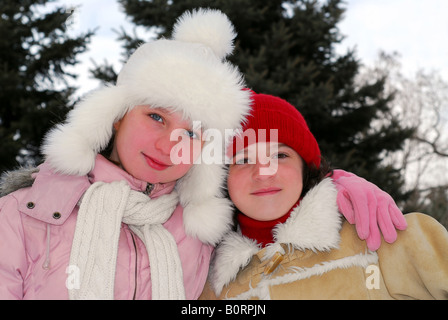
187,73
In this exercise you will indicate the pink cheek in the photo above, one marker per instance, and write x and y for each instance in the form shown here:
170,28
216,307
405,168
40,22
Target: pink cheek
137,142
127,149
236,183
140,140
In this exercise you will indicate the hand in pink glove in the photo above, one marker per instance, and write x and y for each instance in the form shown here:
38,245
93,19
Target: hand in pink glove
369,208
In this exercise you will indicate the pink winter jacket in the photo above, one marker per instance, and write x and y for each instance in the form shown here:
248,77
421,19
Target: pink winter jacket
37,225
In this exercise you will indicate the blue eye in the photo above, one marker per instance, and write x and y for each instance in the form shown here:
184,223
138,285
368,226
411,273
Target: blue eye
191,134
156,117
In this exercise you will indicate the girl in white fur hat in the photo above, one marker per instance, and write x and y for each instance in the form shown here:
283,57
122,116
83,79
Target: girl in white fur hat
137,224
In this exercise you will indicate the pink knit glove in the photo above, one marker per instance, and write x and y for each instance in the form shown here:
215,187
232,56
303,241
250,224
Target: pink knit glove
368,207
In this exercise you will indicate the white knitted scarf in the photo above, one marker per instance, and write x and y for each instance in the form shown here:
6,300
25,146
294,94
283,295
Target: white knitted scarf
95,245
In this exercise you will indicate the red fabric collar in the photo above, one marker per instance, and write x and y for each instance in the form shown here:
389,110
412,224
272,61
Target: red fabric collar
261,231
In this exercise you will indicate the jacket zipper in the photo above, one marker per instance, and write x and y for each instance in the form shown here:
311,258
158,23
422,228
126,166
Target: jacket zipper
135,269
149,188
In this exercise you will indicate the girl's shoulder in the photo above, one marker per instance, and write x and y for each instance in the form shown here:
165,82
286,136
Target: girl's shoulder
13,186
41,193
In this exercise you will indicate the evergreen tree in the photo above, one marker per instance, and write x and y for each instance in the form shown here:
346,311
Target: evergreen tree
287,48
34,51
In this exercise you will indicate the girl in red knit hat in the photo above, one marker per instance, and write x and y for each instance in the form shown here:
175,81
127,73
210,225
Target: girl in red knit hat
292,243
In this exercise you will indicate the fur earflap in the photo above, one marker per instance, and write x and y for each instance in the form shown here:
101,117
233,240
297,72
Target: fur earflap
201,196
209,27
71,147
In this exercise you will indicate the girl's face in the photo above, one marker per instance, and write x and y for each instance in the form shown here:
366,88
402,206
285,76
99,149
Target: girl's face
149,144
264,185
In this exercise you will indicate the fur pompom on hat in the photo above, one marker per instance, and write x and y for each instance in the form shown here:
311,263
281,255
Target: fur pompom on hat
187,73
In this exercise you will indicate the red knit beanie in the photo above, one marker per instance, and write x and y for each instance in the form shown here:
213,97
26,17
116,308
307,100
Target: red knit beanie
270,112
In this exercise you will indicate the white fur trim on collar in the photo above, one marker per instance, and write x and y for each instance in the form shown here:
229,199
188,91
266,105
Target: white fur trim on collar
315,223
234,253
